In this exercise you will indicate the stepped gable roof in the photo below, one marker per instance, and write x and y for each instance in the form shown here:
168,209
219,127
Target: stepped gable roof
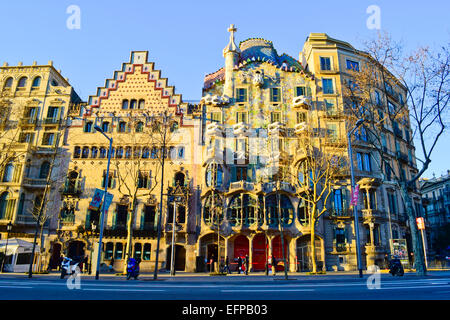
139,80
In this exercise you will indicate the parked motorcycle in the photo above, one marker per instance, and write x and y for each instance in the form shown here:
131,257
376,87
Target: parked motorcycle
132,269
68,266
396,267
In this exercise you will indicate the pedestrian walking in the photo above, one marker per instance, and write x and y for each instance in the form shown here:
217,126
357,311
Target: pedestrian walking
274,266
111,265
247,264
239,262
227,266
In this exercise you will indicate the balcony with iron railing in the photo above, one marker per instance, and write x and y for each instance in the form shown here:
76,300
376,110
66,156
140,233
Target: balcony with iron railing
341,213
242,185
34,182
72,187
68,220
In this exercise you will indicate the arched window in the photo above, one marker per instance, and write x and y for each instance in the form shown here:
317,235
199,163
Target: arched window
85,153
250,209
133,104
22,82
287,210
88,126
94,152
180,152
137,250
122,127
141,104
102,154
8,82
8,172
3,204
119,251
139,126
137,152
235,210
76,152
128,152
179,178
145,153
21,204
36,82
154,153
210,215
214,171
147,251
302,212
125,104
119,154
105,126
45,169
109,250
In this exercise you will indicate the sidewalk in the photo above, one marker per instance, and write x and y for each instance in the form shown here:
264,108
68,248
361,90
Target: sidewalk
256,276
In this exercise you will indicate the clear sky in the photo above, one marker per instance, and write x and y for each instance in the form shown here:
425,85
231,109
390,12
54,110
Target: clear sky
185,38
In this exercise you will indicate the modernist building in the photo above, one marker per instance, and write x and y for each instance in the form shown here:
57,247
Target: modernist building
235,158
130,109
34,102
259,93
436,205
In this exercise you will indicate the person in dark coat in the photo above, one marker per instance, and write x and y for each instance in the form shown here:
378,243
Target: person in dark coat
239,262
274,265
227,266
247,264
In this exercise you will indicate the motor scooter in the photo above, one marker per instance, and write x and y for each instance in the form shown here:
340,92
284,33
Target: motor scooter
396,267
132,269
68,266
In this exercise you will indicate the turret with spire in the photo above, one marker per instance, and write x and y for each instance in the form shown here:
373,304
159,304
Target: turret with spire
231,54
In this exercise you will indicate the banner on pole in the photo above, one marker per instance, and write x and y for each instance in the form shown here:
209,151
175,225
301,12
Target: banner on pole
96,199
355,193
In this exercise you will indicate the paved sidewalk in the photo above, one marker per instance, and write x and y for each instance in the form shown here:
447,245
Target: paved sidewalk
258,276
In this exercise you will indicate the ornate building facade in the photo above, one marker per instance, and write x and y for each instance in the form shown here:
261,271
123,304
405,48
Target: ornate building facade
232,173
34,102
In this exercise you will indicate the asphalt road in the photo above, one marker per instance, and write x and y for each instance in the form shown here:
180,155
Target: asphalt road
435,286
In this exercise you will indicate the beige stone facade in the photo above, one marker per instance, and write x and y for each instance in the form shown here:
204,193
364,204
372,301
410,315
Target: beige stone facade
236,158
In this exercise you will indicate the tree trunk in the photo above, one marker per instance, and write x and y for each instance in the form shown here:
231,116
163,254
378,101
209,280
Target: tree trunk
312,224
129,244
419,263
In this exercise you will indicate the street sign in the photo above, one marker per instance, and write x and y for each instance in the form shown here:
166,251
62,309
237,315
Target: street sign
96,199
420,223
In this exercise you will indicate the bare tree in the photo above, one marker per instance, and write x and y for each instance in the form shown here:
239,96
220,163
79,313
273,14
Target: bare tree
139,175
424,76
321,156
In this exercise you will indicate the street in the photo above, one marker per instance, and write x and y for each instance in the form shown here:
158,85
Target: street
435,286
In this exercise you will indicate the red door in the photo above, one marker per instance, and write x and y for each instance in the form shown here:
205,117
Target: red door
259,256
241,248
278,254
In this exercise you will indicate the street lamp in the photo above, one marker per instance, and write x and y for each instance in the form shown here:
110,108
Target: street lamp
355,210
8,229
92,233
177,198
103,213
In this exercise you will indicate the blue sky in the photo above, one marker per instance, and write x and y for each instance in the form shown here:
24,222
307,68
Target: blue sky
185,38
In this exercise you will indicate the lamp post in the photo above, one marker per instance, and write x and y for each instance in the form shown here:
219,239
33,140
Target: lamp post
93,230
102,215
8,229
163,157
355,210
176,199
